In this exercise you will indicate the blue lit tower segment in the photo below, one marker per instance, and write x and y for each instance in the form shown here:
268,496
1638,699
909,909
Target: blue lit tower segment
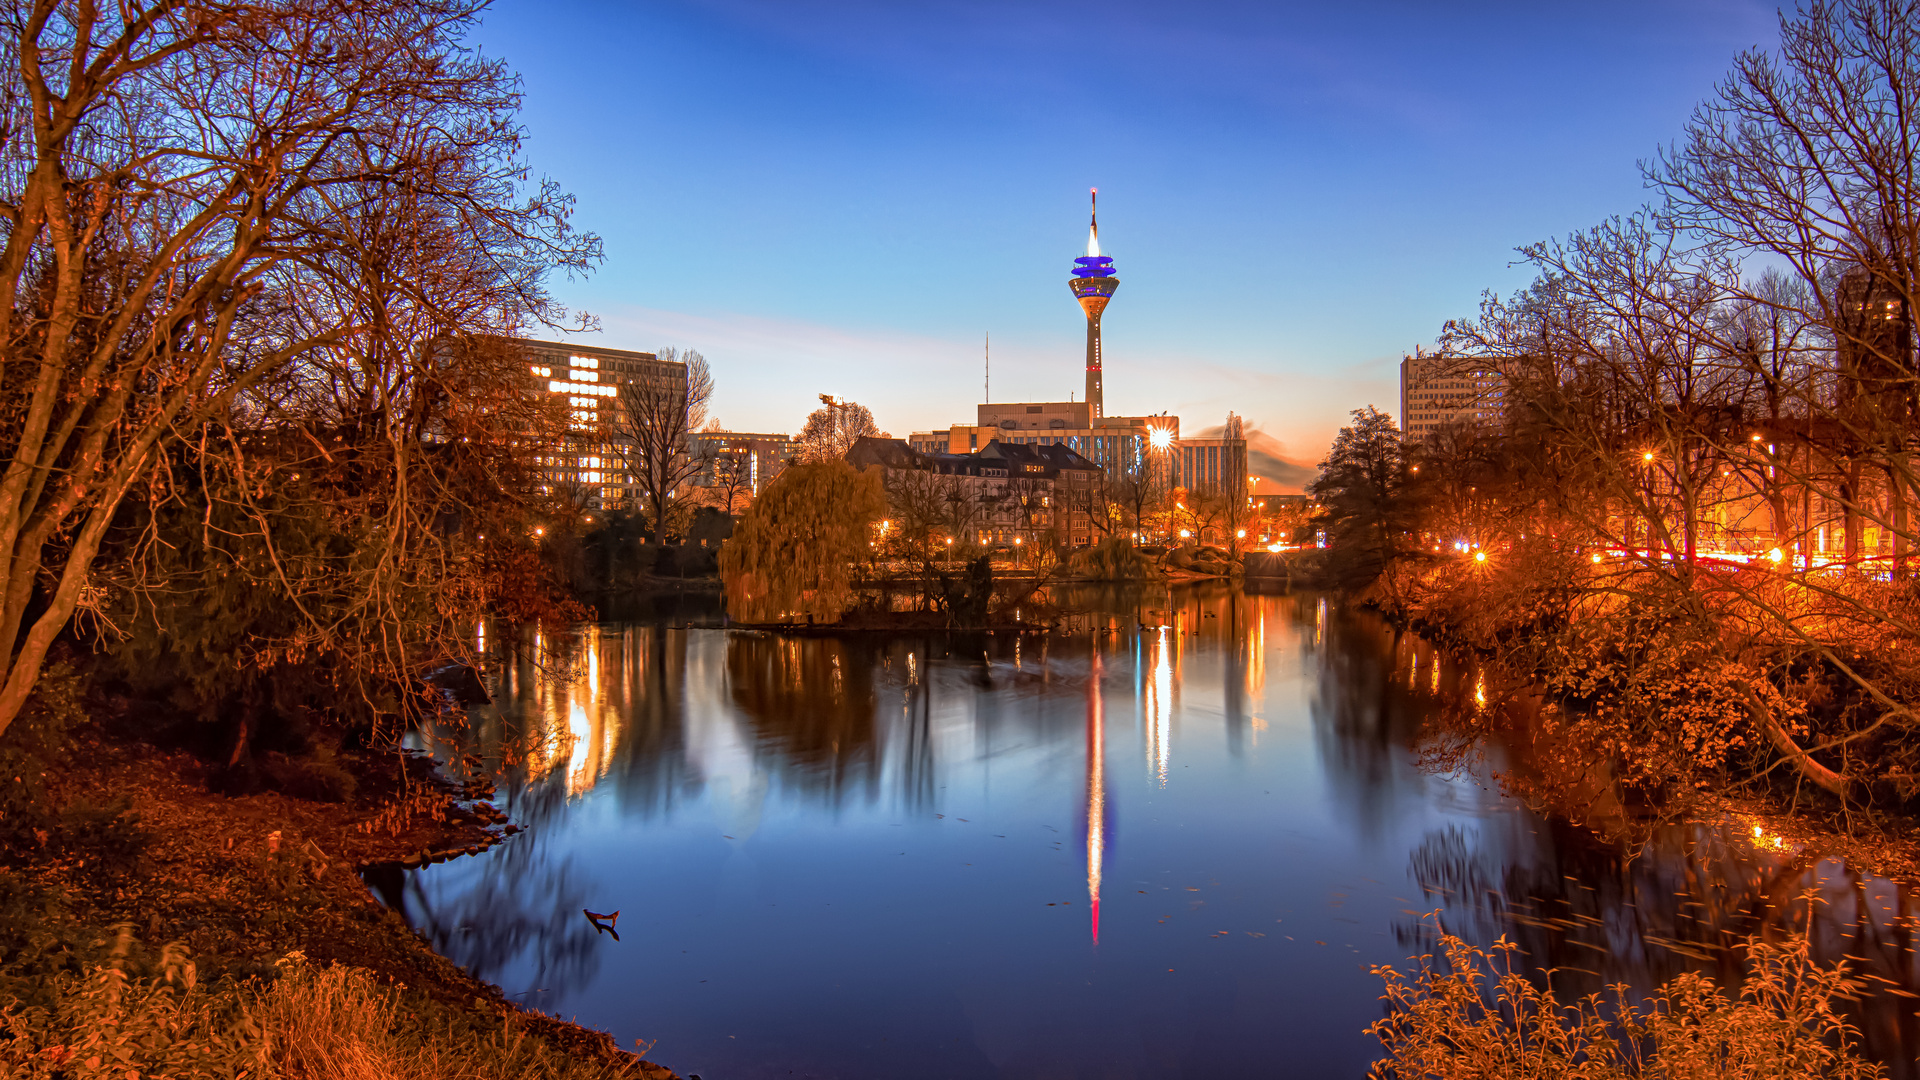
1093,284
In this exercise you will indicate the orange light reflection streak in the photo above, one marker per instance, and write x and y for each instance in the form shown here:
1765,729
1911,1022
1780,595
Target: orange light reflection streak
1096,793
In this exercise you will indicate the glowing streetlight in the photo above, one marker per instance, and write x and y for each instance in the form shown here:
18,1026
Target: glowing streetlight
1242,534
1184,534
1648,456
1479,556
1776,555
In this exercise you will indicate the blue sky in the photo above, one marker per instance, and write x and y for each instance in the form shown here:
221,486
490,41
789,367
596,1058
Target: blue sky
844,197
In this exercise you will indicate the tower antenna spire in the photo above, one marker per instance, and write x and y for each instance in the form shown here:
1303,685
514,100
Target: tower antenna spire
989,373
1093,224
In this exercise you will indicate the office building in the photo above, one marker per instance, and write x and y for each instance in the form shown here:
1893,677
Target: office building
749,460
590,466
1437,391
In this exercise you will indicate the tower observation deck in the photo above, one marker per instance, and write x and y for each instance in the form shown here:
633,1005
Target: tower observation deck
1093,284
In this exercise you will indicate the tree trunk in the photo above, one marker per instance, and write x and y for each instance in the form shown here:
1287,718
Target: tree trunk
1834,782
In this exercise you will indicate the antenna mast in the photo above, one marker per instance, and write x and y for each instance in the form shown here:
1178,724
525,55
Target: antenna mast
989,380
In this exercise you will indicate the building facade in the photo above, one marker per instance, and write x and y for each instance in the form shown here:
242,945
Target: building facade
1212,465
1122,446
747,460
590,466
998,496
1440,391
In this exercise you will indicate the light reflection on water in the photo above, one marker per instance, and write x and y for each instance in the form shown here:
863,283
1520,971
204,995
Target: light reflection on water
928,856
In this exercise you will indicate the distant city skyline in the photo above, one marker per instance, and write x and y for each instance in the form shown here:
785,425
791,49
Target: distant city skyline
847,197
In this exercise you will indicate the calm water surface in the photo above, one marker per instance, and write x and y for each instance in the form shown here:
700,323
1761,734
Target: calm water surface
1169,844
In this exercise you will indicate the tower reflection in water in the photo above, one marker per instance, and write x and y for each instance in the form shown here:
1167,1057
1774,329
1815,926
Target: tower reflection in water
1096,791
858,757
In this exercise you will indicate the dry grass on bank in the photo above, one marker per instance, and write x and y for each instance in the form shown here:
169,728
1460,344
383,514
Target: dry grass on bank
306,1022
1470,1015
152,928
338,1023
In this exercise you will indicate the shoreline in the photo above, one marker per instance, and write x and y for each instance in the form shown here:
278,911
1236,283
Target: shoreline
1881,842
246,882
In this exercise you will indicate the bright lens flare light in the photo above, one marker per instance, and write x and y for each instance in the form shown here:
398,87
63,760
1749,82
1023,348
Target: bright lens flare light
1160,438
1775,555
1479,556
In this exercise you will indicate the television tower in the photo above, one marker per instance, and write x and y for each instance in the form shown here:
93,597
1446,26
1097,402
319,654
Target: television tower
1093,284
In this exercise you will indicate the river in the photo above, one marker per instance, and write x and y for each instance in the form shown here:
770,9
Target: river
1169,842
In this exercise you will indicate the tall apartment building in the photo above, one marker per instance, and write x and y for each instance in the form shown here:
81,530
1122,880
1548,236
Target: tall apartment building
1437,391
589,466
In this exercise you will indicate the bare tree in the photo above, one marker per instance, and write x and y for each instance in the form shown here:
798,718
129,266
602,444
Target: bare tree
661,408
832,429
175,179
733,472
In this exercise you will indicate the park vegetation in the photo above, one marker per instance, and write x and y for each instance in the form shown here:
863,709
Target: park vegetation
1688,544
1693,532
266,460
256,255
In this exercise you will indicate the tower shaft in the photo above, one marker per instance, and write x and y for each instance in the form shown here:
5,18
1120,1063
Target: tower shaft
1094,394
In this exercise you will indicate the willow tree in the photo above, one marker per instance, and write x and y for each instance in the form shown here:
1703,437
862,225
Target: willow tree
187,188
793,553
